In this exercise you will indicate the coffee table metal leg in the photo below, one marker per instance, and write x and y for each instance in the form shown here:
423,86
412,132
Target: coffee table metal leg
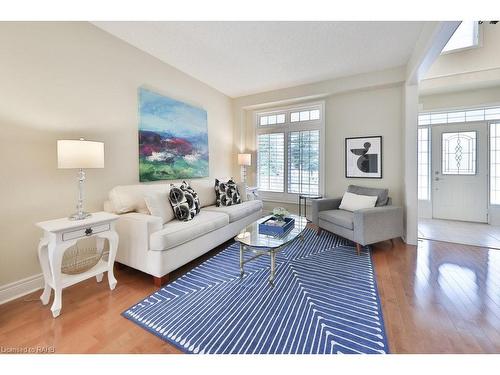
273,266
242,271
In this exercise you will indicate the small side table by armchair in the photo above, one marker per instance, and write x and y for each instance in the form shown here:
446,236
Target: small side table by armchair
304,197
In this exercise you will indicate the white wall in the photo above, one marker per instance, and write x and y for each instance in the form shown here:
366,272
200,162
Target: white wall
409,140
466,70
364,113
71,79
485,57
432,39
489,96
373,110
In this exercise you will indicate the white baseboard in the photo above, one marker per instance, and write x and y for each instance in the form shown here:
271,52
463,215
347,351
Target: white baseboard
20,288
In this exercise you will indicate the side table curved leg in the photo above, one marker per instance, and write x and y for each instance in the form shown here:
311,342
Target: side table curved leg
112,237
56,253
100,247
44,263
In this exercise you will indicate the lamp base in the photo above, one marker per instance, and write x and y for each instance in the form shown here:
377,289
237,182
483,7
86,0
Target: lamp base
80,216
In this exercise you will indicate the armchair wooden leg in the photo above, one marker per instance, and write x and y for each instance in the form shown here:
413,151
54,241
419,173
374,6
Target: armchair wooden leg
160,281
358,248
392,242
319,230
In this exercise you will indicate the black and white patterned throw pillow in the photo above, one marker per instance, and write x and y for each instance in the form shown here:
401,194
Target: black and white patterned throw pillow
226,193
195,206
184,203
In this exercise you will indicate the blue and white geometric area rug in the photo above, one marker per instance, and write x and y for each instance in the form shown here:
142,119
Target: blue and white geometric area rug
325,300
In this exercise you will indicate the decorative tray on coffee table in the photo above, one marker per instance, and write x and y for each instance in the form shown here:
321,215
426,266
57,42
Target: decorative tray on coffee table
275,227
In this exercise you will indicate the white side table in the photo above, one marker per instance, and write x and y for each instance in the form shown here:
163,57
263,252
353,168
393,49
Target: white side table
61,234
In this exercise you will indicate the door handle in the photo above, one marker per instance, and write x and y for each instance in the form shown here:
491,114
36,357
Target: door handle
436,178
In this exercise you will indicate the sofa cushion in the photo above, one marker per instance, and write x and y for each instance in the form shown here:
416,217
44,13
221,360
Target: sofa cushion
242,188
382,194
158,205
344,219
175,233
128,198
205,190
238,211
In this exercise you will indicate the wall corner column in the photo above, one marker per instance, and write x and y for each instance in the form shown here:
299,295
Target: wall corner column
410,175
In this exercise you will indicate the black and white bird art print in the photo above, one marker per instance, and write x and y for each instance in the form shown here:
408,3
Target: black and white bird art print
363,157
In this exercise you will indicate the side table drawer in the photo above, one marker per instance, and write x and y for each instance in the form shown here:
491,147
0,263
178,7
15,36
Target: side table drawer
85,232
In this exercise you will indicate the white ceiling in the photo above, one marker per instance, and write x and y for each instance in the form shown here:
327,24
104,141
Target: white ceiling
242,58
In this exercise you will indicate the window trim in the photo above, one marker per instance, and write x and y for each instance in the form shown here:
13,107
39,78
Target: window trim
488,125
286,128
447,113
429,162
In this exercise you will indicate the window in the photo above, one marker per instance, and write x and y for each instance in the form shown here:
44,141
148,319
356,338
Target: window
495,163
303,162
480,114
423,163
465,36
304,115
270,167
459,153
272,119
289,151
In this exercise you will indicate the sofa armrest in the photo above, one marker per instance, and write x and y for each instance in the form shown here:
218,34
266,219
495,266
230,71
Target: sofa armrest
135,229
323,204
377,224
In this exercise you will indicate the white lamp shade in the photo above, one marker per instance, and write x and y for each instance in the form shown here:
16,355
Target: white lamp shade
244,159
80,154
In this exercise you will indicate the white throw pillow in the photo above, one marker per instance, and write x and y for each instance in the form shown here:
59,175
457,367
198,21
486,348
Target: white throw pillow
205,191
242,188
354,202
159,205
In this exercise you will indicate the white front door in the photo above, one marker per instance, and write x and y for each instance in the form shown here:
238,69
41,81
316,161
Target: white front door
460,171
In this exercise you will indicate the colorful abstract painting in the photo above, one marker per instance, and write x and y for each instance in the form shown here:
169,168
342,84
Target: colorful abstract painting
173,139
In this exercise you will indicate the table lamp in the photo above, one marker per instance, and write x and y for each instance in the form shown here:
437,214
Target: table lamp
244,160
80,154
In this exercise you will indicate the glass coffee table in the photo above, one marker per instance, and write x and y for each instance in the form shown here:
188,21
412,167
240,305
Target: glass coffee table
264,244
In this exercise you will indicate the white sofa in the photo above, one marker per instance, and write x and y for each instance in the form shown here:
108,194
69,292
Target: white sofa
157,245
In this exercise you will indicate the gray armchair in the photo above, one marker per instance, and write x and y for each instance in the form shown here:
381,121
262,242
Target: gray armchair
364,227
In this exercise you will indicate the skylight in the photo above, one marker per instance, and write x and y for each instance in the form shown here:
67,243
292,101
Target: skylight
466,36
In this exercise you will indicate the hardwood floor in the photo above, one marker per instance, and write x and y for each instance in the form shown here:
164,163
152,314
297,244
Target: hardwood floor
439,298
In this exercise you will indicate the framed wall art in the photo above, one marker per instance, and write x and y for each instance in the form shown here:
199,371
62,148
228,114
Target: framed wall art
363,157
173,138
